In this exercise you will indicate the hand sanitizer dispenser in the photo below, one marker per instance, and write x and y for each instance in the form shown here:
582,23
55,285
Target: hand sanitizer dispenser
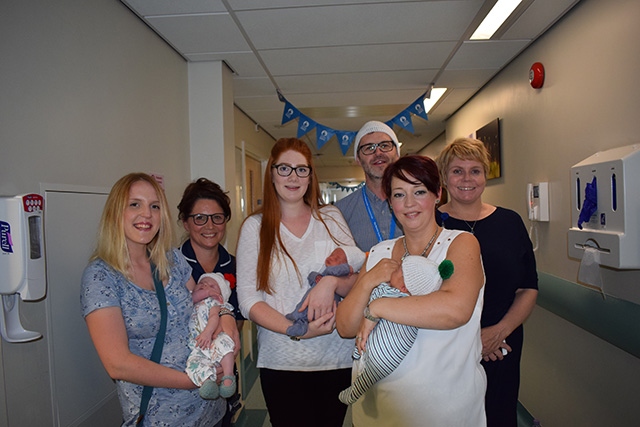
22,261
605,208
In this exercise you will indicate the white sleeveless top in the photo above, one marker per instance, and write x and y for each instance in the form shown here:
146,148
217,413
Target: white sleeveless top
440,382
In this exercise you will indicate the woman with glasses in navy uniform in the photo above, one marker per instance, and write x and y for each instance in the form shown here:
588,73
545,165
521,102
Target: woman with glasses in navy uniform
204,211
290,237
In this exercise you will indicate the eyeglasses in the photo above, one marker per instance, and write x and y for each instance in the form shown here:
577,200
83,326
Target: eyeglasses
384,146
285,170
201,219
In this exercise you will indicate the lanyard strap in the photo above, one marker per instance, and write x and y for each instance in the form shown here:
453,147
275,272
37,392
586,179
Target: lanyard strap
157,346
372,218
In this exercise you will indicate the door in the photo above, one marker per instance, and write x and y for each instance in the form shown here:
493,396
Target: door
254,184
82,392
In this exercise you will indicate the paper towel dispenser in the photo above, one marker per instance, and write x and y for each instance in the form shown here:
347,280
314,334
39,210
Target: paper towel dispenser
605,210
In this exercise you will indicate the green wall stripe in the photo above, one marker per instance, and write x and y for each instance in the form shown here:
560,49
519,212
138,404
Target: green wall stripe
614,320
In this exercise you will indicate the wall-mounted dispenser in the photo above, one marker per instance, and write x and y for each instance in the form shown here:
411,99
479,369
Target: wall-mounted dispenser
22,261
605,209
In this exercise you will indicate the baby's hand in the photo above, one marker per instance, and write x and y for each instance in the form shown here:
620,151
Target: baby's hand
363,334
203,340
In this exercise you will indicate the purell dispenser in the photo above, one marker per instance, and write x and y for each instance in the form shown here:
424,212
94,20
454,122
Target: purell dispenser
22,264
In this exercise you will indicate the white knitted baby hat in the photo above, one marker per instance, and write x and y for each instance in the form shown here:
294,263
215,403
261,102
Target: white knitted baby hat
421,275
225,288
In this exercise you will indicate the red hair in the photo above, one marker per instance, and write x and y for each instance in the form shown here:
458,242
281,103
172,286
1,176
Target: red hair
270,238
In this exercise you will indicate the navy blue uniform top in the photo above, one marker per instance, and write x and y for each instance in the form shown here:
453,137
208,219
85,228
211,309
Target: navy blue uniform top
226,265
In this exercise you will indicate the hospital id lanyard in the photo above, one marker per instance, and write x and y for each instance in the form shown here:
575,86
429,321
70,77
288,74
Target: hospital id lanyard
372,218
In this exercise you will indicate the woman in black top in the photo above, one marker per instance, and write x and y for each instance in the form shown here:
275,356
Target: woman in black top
511,285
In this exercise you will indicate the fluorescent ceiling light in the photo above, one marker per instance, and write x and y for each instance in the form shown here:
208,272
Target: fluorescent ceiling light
495,18
436,94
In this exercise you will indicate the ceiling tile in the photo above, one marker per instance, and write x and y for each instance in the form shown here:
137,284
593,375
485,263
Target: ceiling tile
393,22
276,4
209,33
465,78
492,54
172,7
253,87
537,18
244,64
348,82
348,59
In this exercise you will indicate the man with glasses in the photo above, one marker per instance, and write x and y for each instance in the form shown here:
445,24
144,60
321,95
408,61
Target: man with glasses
366,210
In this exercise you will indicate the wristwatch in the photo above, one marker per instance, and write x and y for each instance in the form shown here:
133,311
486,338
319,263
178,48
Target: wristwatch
294,338
367,315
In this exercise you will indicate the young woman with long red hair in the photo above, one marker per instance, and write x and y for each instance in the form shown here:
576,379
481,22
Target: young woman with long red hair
291,236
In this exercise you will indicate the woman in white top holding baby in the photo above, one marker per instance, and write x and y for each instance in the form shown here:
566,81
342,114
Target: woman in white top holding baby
440,381
291,236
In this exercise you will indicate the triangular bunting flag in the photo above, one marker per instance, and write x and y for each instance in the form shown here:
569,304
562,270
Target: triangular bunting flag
417,107
404,120
323,135
345,138
290,112
305,124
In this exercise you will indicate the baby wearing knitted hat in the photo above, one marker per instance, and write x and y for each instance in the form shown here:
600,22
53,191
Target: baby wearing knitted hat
389,342
209,345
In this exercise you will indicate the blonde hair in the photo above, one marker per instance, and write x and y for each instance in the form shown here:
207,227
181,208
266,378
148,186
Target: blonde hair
464,149
270,239
112,243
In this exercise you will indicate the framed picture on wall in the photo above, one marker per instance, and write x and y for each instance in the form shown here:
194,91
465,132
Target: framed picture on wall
489,134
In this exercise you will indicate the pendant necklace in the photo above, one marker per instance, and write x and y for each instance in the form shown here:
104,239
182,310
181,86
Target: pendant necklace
406,251
471,227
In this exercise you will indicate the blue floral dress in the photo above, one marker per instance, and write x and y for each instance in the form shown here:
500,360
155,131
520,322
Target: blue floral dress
102,287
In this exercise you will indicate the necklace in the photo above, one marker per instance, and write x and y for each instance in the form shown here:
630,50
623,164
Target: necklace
406,251
471,227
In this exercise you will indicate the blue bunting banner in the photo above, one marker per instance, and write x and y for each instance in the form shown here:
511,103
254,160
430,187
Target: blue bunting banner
346,188
345,138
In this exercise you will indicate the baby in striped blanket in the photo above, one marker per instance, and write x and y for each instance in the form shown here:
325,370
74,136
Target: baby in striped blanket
389,342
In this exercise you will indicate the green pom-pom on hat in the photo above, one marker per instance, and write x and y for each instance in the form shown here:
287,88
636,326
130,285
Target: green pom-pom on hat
446,269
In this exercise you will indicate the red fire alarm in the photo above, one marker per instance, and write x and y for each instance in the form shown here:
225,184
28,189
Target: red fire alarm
536,75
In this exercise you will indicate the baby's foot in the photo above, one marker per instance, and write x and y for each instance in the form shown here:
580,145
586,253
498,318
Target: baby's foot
209,390
228,386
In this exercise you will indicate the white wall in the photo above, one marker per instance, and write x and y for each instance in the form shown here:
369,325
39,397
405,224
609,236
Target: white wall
88,94
590,102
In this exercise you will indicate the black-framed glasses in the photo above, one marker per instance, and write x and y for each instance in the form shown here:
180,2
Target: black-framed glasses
285,170
384,146
201,219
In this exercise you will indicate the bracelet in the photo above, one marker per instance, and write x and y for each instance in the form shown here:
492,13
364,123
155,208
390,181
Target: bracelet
224,311
368,315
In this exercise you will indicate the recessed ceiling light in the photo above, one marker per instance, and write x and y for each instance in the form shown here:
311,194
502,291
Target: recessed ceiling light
494,19
436,94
